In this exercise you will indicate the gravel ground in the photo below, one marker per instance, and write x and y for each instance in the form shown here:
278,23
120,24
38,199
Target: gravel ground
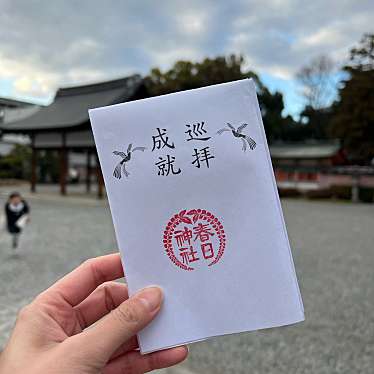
334,257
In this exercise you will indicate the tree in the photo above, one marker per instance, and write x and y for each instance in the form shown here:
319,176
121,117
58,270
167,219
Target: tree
17,163
48,163
316,121
353,120
276,126
318,90
185,75
317,82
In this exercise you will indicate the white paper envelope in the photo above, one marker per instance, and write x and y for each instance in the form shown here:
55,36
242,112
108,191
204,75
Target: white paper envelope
22,221
196,211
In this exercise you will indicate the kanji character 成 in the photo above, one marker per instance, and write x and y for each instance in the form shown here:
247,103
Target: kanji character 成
161,140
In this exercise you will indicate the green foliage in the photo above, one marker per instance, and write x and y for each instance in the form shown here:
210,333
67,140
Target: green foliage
317,121
48,166
185,75
17,163
353,120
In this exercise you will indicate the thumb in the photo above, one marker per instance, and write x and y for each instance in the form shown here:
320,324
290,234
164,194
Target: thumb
121,324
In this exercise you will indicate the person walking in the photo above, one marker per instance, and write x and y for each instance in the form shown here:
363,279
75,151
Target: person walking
17,215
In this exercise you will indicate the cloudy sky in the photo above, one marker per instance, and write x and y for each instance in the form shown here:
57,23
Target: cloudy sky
47,44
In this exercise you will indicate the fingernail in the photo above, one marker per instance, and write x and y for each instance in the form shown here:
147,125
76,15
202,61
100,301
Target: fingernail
151,297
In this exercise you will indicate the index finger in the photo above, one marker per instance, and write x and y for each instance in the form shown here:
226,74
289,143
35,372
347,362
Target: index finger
77,285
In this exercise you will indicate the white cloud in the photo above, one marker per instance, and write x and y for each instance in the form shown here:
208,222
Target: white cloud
81,49
280,72
192,23
165,58
326,36
43,47
28,79
31,86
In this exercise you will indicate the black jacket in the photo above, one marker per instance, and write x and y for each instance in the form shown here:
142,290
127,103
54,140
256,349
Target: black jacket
13,216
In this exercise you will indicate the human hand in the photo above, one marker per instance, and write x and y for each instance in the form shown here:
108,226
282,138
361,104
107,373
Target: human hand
51,334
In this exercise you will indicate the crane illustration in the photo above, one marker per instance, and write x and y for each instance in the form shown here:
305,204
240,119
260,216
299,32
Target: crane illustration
238,134
126,157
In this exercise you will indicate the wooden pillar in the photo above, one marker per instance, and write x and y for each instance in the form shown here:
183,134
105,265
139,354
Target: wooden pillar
63,166
33,165
88,171
355,188
100,179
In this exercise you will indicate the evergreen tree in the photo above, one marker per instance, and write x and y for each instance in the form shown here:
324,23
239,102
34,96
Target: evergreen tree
353,120
185,75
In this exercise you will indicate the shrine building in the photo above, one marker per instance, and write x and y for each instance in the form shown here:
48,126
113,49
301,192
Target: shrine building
64,125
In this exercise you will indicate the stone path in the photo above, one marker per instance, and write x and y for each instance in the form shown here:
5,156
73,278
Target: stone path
333,247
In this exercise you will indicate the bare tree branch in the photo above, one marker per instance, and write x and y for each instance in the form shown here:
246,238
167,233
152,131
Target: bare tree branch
317,81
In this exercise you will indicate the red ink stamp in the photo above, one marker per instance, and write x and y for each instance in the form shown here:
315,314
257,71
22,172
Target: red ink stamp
194,238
